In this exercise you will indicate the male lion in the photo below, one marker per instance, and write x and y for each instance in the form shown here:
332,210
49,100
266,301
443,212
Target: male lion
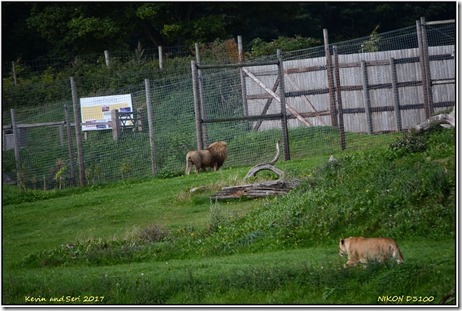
214,156
361,250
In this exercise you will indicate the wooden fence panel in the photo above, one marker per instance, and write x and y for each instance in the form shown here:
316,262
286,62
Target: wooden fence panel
307,89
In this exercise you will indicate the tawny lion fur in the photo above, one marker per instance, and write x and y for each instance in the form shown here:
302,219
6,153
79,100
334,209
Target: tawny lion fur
361,250
214,157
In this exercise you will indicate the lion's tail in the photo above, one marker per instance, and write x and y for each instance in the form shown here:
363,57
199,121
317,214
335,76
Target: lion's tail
188,164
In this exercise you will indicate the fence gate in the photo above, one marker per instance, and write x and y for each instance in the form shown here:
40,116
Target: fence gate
220,97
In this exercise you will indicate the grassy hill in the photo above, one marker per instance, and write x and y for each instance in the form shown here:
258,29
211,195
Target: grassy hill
154,241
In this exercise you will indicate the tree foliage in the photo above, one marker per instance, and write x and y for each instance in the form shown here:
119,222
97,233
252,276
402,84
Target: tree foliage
34,30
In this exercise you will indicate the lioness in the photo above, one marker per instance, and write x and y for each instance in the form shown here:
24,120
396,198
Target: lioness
361,250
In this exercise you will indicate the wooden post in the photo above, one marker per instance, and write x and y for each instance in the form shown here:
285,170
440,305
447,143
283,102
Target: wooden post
17,157
197,106
150,113
394,88
423,69
106,58
115,124
13,68
200,80
70,148
339,100
139,119
240,51
426,62
366,97
330,80
78,133
282,96
161,58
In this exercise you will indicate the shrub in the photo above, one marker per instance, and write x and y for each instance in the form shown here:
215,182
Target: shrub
262,48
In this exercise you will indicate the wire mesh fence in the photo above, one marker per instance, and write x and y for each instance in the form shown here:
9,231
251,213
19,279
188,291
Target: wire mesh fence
360,92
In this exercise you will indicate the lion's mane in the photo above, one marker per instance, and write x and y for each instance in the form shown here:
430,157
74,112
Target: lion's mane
361,250
214,157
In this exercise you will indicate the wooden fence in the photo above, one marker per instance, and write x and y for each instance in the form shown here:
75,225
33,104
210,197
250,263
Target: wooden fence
371,92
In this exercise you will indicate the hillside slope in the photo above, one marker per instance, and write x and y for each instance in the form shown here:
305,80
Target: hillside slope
62,243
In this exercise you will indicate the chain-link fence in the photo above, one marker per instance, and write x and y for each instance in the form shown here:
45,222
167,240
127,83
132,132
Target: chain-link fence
335,101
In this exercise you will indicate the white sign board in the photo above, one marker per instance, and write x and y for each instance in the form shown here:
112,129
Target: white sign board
96,111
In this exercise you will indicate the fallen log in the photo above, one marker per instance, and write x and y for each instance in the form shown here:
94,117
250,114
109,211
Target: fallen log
446,120
257,190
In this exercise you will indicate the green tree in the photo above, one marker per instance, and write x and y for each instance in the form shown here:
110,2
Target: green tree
34,30
77,28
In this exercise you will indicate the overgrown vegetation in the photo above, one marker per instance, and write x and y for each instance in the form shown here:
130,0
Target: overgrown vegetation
276,250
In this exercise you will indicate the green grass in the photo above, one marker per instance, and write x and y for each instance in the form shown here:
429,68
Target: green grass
301,276
153,241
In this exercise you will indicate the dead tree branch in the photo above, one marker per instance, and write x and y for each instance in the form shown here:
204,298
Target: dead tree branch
446,120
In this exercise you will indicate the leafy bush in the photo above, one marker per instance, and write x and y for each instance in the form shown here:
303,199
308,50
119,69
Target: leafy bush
262,48
151,234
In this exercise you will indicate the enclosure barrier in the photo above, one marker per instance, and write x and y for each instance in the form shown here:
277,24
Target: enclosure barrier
321,96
